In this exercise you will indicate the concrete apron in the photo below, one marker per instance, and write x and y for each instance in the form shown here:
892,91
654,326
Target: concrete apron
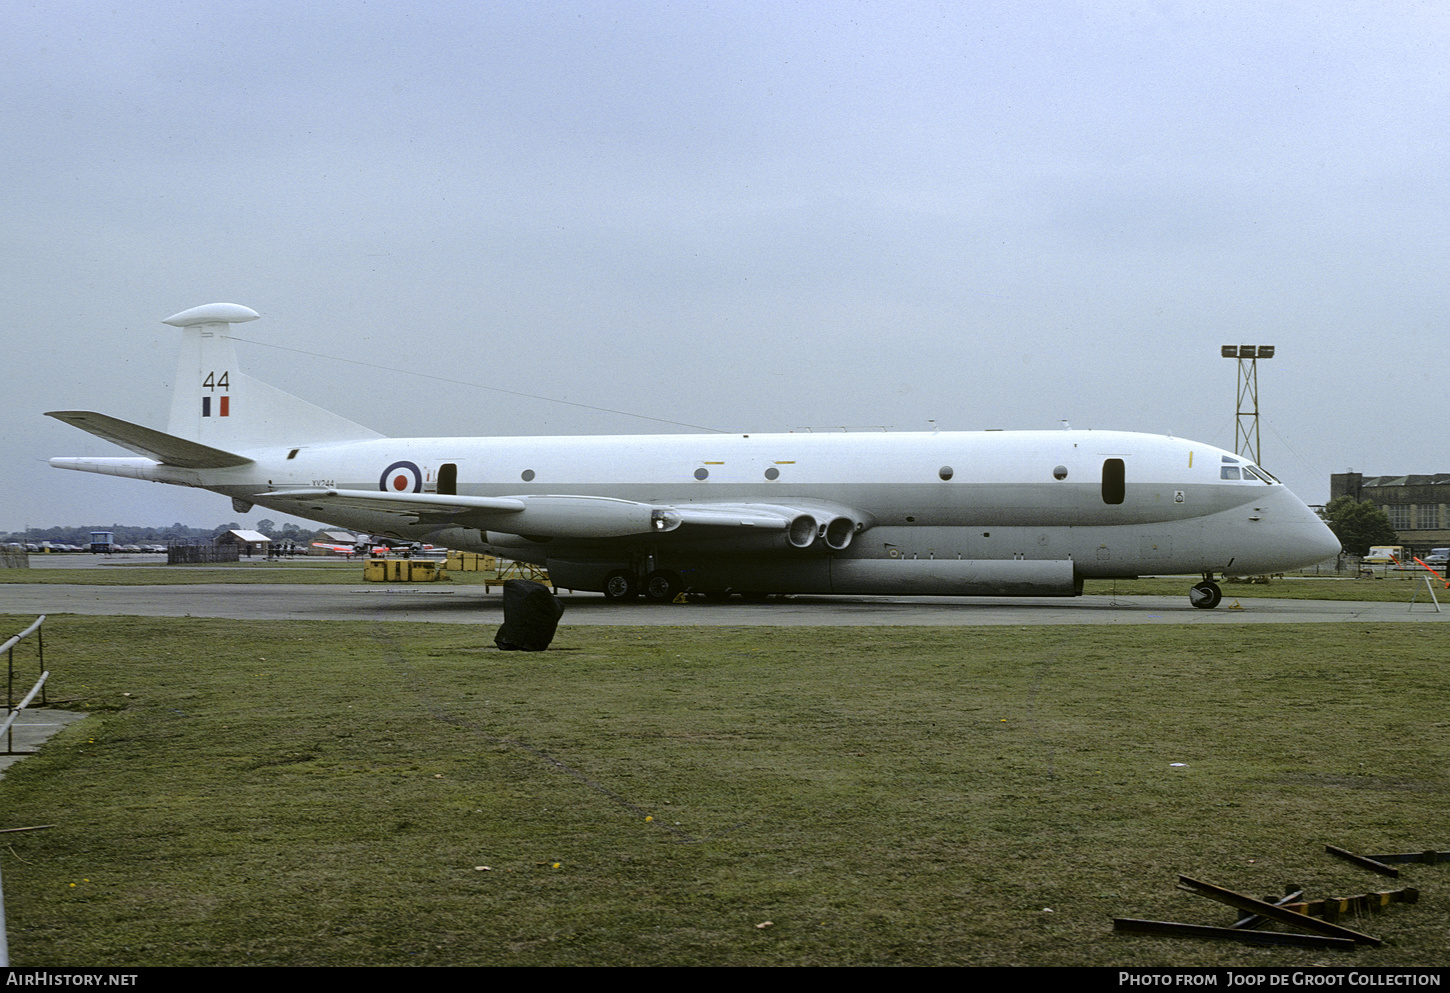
30,730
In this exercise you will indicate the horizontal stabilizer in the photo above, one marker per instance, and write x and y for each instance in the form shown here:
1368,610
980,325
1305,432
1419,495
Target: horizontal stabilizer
164,448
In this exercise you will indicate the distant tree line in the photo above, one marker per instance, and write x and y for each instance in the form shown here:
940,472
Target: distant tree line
1358,524
126,534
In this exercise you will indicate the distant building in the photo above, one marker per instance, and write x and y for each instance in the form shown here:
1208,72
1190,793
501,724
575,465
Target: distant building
249,542
1418,506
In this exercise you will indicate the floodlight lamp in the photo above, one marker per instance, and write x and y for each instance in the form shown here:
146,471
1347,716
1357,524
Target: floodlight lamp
1229,351
1266,351
1247,352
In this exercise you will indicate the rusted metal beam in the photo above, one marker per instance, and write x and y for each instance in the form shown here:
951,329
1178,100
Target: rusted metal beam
1428,857
1245,902
1172,929
1331,908
1255,920
1373,864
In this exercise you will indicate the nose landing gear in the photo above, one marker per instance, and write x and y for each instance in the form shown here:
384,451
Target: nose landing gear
1205,595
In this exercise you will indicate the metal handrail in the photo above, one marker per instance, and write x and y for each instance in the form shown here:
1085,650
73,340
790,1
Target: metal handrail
16,640
15,711
9,649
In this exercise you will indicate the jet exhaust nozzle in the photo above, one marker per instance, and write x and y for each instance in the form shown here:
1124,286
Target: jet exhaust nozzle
839,532
802,531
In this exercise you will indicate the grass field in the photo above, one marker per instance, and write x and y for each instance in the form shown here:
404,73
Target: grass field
328,794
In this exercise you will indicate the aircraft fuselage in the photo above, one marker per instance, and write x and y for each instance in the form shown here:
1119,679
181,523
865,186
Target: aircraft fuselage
958,495
984,512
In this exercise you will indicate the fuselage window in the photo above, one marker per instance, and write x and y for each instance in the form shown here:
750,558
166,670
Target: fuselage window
1228,472
448,479
1114,484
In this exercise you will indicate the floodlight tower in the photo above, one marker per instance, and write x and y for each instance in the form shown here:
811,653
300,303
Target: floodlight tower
1246,423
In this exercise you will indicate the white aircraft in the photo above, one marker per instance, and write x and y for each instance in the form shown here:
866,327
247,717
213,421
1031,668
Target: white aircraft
970,513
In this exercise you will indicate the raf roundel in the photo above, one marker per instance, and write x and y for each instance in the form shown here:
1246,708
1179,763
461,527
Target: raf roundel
401,477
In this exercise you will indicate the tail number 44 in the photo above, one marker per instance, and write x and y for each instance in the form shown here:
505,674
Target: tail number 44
214,382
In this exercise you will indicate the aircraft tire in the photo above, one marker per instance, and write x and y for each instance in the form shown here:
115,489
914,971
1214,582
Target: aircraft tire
620,585
1205,595
662,586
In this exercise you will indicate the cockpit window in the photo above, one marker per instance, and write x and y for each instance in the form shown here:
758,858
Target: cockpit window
1232,468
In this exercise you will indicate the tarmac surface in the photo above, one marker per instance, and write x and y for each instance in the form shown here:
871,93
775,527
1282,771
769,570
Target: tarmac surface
471,605
448,604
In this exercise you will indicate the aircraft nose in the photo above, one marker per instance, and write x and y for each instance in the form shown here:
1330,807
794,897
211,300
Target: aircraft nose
1293,537
1311,540
1320,540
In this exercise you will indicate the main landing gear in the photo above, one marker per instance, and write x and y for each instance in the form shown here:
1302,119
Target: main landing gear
620,585
659,586
1205,595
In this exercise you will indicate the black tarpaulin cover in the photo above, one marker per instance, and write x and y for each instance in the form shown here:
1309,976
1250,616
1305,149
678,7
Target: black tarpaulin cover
530,616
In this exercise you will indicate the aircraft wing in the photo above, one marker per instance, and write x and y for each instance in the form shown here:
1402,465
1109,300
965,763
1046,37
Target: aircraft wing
564,515
731,515
164,448
552,516
397,503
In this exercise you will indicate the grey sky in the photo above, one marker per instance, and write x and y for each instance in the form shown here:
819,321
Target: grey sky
737,215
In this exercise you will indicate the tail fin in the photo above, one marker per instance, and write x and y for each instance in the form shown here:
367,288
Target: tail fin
217,405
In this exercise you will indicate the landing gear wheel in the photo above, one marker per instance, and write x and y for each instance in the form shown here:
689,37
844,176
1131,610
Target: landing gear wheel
662,586
1205,595
620,585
